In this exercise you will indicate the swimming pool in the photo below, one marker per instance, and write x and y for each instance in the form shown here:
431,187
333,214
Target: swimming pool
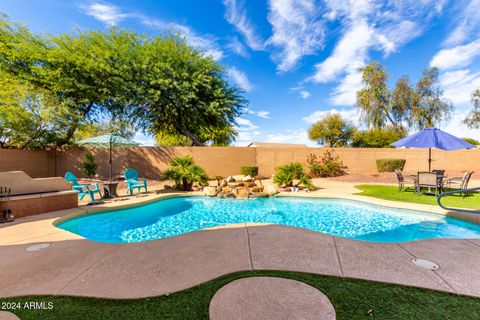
344,218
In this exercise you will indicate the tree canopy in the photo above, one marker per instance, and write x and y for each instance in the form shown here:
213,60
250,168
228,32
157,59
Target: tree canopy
473,118
159,85
416,106
332,131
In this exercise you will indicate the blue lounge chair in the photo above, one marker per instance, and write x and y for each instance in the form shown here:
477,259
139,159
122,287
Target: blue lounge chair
83,189
131,178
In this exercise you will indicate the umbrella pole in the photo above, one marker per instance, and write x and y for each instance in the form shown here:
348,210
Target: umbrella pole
430,159
110,162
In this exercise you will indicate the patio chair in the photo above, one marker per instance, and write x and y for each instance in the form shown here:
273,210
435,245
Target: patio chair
83,189
133,182
459,183
401,179
429,180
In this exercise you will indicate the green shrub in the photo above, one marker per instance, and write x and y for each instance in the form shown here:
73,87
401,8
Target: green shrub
89,166
328,165
390,165
375,138
286,175
251,171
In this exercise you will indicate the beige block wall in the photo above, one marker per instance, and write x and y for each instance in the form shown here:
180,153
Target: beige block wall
36,164
225,161
151,161
361,161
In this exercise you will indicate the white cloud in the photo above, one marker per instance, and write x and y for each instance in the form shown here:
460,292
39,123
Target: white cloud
260,114
297,31
459,85
263,114
456,127
104,12
236,14
304,94
348,114
245,124
456,57
368,24
350,51
240,78
299,136
467,22
237,47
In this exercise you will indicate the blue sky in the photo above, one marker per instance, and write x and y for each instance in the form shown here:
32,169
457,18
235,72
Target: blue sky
296,59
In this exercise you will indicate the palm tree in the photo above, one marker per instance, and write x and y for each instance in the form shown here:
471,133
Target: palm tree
286,174
184,172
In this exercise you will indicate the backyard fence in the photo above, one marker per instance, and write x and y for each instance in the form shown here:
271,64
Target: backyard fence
225,161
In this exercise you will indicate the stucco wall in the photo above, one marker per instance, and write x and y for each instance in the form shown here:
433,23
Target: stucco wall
224,161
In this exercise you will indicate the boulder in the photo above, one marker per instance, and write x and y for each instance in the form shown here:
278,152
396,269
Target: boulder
238,177
258,195
210,191
248,179
235,184
271,190
256,189
242,193
224,183
249,184
230,179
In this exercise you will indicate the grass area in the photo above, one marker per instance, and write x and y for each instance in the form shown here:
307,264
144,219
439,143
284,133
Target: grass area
352,299
470,201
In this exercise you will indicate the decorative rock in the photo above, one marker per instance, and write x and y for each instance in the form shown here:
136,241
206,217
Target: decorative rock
210,191
238,177
271,190
256,189
249,184
258,195
270,298
230,179
248,179
235,184
223,184
242,193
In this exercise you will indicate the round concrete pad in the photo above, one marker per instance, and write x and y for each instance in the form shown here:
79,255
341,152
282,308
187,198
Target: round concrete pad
5,315
270,298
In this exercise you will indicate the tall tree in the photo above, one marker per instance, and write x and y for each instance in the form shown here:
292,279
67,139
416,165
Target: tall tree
331,130
418,106
373,100
429,108
473,118
185,93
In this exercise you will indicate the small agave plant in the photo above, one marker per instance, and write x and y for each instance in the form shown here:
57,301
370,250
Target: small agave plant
287,175
185,173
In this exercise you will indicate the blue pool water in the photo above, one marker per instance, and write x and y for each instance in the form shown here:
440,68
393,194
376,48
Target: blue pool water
343,218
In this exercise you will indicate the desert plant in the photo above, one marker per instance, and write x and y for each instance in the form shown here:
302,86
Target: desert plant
185,173
287,175
328,165
390,165
89,166
251,171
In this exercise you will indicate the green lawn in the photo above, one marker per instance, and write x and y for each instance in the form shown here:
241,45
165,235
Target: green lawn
352,299
471,201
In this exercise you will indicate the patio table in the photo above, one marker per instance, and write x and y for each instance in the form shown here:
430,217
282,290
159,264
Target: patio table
110,189
440,178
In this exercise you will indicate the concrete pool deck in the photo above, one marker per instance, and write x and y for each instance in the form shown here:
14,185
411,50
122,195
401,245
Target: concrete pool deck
72,265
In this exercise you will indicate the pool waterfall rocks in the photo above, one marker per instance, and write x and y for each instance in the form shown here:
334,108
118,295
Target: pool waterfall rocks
339,217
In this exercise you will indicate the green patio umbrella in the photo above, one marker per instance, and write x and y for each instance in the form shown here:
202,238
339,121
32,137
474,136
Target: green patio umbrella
109,141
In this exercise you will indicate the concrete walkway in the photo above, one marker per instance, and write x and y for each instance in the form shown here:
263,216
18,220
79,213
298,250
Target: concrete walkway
270,298
72,265
85,268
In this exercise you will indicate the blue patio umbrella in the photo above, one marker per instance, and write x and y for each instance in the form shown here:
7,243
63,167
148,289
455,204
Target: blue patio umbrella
432,138
109,141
